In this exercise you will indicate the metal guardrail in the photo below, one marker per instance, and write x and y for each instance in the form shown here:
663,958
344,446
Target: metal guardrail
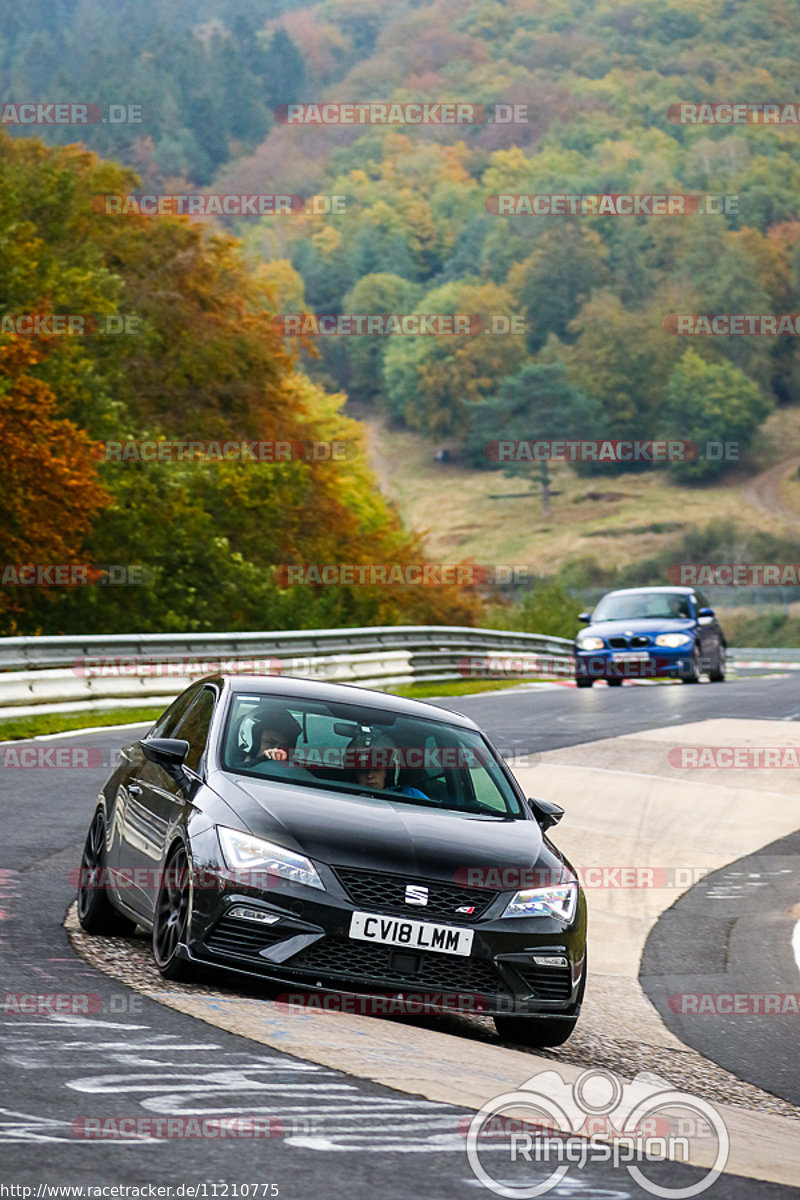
84,673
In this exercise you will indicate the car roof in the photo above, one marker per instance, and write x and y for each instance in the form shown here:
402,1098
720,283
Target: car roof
292,686
686,591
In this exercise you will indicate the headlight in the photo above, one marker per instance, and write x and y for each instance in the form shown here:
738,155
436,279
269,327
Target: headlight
673,639
558,902
246,853
590,643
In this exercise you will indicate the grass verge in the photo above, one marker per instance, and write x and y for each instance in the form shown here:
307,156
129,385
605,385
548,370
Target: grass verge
38,724
458,687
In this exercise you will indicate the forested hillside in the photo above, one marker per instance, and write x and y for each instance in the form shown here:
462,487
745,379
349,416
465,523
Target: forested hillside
593,351
595,292
200,362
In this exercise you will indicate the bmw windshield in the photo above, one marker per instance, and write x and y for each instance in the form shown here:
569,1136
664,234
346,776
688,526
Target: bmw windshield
364,751
653,605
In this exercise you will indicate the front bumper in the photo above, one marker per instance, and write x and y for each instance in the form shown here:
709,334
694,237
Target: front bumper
655,662
308,949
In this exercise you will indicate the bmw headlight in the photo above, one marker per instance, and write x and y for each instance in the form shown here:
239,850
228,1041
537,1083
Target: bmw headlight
261,859
590,643
673,639
558,902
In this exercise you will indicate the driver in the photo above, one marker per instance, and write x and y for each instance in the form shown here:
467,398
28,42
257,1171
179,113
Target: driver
273,737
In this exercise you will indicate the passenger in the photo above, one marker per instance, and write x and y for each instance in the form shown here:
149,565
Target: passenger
371,773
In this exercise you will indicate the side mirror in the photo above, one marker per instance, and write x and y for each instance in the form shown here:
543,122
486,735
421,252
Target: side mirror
165,752
585,617
170,755
546,813
705,612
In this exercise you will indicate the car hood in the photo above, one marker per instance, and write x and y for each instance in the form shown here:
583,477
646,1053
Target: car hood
388,835
648,625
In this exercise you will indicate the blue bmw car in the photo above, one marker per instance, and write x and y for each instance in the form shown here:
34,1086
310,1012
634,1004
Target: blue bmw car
649,633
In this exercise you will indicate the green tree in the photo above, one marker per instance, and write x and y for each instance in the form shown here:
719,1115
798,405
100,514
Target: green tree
537,404
432,382
711,402
378,293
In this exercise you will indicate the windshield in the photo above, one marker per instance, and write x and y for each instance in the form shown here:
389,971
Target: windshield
650,604
362,751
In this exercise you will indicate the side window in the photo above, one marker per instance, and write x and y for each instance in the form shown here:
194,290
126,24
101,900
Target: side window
165,724
194,727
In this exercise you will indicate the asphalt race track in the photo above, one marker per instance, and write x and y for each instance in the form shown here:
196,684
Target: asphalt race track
334,1134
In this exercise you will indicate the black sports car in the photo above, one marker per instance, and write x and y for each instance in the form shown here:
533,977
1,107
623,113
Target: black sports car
338,839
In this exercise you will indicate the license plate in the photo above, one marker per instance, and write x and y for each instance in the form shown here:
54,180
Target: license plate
414,935
631,656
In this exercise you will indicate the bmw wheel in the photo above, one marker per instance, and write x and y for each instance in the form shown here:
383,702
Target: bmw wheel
693,674
718,674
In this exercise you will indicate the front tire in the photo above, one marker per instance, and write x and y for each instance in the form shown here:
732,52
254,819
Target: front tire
614,682
171,918
693,674
535,1032
718,674
96,913
584,682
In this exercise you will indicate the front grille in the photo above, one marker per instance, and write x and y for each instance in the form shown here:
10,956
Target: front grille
360,962
547,983
618,643
636,642
241,939
373,889
640,640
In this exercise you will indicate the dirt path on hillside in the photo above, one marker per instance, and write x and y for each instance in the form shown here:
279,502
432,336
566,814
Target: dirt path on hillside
763,492
375,456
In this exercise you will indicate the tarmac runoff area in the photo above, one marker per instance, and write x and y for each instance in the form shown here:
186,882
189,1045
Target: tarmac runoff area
627,809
